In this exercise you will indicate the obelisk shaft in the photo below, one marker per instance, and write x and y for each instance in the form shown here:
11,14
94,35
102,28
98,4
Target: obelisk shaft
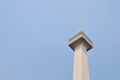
80,71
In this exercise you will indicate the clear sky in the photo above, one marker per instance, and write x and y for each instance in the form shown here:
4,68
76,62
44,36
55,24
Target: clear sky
34,36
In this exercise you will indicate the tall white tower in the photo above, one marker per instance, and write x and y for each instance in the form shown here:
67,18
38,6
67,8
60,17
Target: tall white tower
80,44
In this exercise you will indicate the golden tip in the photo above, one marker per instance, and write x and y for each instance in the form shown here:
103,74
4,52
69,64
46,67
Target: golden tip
79,30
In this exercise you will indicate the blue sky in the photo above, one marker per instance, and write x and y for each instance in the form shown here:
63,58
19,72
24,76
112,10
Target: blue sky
34,36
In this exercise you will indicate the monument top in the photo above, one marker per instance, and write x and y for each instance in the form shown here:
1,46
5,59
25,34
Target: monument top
79,38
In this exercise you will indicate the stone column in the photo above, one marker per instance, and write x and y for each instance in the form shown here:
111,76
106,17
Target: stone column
80,44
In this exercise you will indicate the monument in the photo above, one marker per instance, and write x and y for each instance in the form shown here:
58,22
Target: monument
80,44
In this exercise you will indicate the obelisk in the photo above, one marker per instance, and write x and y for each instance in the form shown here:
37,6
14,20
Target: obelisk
80,44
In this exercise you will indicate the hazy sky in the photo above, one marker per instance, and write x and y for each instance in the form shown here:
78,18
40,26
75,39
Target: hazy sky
34,36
